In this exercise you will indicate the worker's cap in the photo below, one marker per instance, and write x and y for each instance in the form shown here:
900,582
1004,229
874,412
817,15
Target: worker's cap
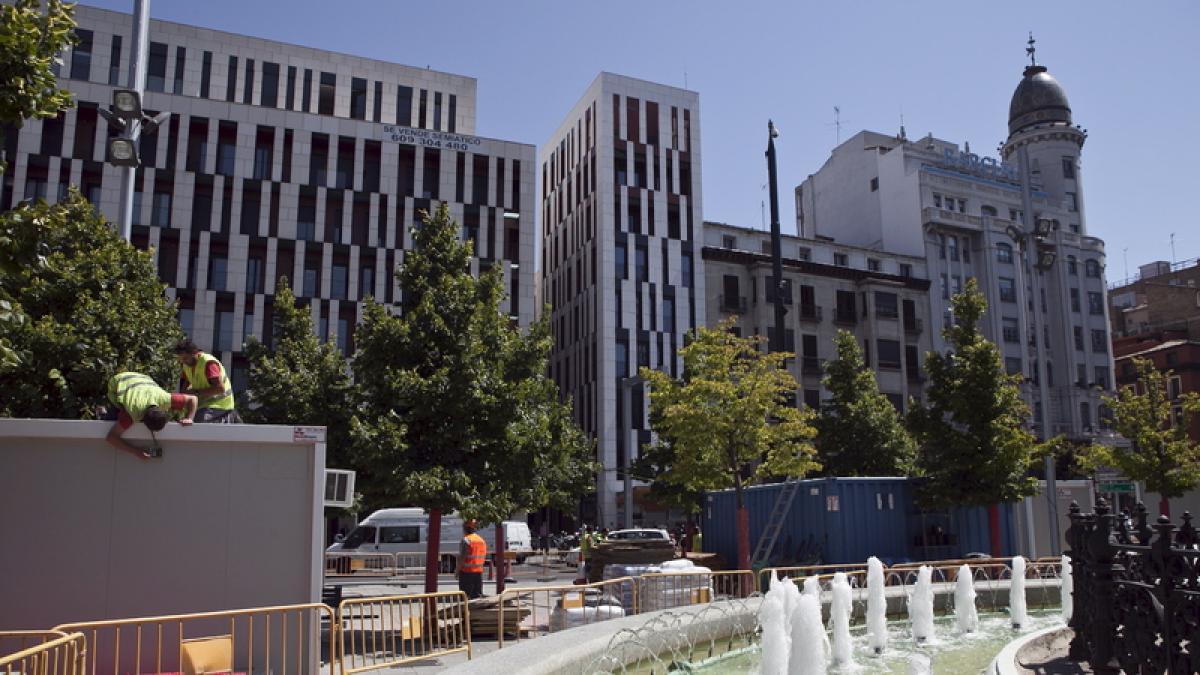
470,524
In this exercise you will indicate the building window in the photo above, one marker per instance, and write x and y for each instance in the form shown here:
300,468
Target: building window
1174,387
226,148
1072,202
875,184
114,62
1008,289
841,260
1011,330
888,354
937,200
218,267
223,332
685,270
804,253
886,305
966,249
1012,365
180,63
358,98
160,216
1101,377
873,264
1095,303
1078,333
81,55
156,71
728,241
269,97
338,282
1004,253
325,94
1074,292
231,79
945,285
906,270
1091,268
254,275
1099,341
404,106
1072,268
953,241
1068,164
205,74
941,246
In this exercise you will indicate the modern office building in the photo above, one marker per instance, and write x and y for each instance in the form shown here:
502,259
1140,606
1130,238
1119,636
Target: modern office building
882,298
974,216
621,265
280,161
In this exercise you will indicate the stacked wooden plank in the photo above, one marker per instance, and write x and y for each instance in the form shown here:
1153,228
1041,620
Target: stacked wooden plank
485,616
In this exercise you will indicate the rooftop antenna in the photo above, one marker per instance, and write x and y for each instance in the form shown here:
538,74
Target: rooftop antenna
903,135
837,124
1031,50
1172,248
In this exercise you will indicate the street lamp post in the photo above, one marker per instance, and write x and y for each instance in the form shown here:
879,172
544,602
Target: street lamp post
777,342
627,386
138,59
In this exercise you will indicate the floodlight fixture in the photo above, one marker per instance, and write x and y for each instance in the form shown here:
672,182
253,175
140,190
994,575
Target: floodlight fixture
127,104
123,152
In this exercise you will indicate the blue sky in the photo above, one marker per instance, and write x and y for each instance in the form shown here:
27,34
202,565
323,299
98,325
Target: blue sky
1130,70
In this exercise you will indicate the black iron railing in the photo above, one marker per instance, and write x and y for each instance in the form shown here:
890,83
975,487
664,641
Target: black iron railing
1137,592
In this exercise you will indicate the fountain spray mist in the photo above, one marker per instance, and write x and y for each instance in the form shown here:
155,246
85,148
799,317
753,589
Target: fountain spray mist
920,605
876,606
776,641
808,638
1016,594
1067,591
839,612
965,615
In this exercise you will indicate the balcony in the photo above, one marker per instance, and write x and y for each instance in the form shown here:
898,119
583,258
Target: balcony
733,303
932,214
810,313
811,365
913,326
845,316
887,314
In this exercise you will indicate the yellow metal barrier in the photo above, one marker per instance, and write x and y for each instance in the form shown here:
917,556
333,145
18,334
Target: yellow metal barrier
339,564
547,609
283,639
52,653
384,632
664,590
823,572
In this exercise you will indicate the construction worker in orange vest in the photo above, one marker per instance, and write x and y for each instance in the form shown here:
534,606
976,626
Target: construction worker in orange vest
472,551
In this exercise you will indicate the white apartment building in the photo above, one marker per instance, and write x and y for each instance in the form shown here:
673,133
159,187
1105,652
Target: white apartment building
882,298
280,161
968,216
621,264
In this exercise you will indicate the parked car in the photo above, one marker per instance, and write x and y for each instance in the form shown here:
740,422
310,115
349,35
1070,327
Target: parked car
406,530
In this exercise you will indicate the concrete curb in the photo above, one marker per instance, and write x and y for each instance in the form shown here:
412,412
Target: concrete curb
1005,662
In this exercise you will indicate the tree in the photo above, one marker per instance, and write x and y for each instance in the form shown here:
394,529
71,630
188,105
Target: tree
975,449
299,380
457,412
30,43
859,432
730,419
82,305
1160,452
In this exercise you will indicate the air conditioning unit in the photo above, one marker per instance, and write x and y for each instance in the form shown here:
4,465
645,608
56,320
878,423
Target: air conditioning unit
339,488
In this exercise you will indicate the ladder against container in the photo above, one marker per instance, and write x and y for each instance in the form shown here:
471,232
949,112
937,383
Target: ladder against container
779,513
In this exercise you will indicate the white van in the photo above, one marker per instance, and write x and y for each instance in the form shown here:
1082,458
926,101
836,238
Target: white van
406,530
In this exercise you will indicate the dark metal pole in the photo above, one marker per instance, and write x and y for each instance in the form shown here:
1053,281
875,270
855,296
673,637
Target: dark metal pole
777,340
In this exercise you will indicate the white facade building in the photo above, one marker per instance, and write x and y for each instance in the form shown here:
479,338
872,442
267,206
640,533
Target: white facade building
966,216
621,266
881,298
280,161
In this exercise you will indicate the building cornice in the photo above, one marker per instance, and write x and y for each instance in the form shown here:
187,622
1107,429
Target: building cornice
739,257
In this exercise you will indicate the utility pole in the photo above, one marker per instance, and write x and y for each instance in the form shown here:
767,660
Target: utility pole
777,340
138,58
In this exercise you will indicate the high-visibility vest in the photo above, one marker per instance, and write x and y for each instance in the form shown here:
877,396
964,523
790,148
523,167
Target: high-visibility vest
476,553
198,380
135,393
585,544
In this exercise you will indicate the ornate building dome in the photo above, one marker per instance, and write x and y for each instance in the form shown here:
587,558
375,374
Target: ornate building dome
1039,99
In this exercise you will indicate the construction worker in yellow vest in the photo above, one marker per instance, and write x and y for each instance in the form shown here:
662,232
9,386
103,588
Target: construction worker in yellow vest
137,398
205,377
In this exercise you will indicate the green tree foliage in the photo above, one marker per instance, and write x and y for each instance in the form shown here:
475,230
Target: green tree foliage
299,380
974,447
1160,452
30,43
653,462
859,432
82,304
731,415
457,411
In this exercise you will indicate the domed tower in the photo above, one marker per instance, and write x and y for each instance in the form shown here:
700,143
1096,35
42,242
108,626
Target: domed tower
1040,127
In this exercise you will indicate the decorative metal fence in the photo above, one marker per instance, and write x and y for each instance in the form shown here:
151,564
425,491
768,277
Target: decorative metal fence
1137,592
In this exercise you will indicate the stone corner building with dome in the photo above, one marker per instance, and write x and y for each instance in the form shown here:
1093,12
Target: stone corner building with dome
966,216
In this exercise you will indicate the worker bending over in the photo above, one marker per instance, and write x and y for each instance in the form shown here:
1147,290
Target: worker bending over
138,399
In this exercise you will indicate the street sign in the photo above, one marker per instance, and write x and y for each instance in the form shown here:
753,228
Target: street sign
1122,488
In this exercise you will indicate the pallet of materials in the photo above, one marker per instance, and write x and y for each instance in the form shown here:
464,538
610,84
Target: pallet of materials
485,616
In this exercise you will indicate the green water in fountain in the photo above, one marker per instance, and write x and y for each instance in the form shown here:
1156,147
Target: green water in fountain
951,654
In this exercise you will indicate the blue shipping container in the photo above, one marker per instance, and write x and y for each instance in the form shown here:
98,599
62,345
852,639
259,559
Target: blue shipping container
847,520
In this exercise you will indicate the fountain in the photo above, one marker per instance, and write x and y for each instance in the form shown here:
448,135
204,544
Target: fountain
965,615
876,606
919,664
773,616
1067,590
920,605
812,586
808,638
839,611
1016,594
